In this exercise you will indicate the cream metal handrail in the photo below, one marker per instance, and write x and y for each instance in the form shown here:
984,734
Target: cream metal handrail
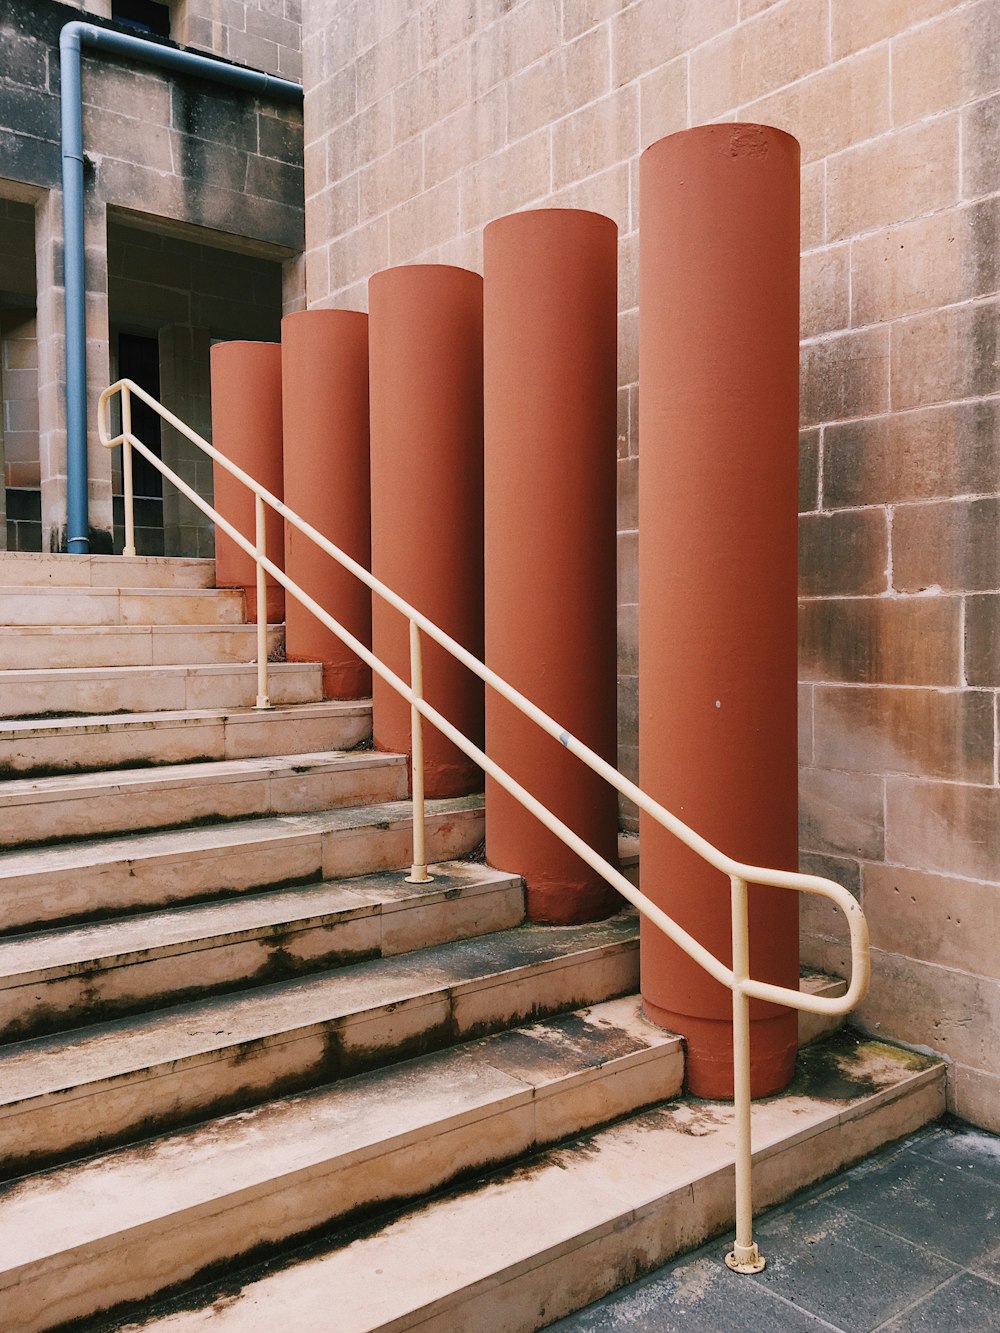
745,1256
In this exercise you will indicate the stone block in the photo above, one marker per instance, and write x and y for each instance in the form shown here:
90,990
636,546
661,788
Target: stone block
841,813
389,63
943,64
934,261
952,1013
853,27
337,209
805,739
845,376
949,827
841,105
953,449
359,141
649,33
508,180
953,545
628,567
922,732
421,223
808,471
980,167
29,159
775,48
443,24
628,494
845,553
974,1095
278,138
663,96
945,354
254,52
329,103
826,291
982,639
392,179
812,195
431,95
267,178
359,254
473,132
893,178
579,15
568,78
628,640
935,918
881,640
842,870
601,136
509,38
607,193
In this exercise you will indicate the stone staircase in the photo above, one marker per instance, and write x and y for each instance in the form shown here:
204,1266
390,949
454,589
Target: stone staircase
248,1073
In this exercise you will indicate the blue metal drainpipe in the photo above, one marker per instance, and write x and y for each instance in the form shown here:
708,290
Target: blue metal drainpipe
73,37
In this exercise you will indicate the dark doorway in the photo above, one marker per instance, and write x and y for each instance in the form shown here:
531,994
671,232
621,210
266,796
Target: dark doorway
139,360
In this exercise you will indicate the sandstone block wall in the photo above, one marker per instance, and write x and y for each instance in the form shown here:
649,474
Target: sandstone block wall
424,119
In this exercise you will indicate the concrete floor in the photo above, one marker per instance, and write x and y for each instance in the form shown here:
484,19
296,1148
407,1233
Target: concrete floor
906,1242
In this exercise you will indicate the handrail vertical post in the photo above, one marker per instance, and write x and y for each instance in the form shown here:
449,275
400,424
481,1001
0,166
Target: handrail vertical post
744,1256
261,540
418,871
128,498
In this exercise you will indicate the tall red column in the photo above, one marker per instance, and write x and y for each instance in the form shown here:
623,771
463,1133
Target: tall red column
718,377
551,423
426,366
324,372
246,427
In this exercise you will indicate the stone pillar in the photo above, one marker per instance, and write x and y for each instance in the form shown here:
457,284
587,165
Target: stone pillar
550,331
426,349
52,371
246,427
718,374
185,388
324,368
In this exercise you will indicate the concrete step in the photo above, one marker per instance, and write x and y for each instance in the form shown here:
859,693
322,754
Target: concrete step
539,1241
80,805
102,877
66,1095
55,605
55,980
130,1223
34,748
32,570
48,692
38,646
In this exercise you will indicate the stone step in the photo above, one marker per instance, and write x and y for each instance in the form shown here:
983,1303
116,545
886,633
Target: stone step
40,646
104,877
128,1224
97,1087
62,745
41,692
538,1241
80,805
32,570
55,605
55,980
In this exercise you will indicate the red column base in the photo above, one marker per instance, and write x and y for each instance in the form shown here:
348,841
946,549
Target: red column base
709,1062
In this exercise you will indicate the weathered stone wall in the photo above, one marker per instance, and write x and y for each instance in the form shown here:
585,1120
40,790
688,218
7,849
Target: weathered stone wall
427,118
166,149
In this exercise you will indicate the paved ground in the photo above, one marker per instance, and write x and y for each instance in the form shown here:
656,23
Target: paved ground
906,1242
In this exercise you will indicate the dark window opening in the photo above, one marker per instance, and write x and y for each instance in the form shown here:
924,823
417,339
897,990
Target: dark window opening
145,16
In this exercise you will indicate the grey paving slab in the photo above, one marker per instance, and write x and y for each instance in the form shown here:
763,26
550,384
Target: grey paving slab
906,1242
968,1302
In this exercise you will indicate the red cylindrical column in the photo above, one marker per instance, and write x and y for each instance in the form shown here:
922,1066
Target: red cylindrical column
246,427
718,370
324,373
550,334
426,366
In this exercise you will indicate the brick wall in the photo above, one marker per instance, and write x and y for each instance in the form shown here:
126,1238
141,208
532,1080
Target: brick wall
424,120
